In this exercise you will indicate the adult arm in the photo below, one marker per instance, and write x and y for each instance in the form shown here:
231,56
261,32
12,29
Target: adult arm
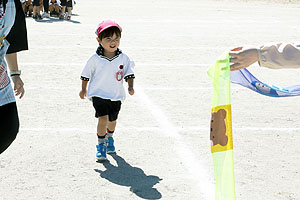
278,56
275,56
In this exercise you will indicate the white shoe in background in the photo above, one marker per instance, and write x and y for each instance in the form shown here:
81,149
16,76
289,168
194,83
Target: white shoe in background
46,15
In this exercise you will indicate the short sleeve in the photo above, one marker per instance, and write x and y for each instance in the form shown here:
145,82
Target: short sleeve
129,73
17,36
88,69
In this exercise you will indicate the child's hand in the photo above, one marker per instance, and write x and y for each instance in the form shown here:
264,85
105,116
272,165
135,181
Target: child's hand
131,90
82,94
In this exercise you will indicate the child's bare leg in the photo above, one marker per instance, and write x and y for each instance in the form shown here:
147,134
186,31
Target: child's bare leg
63,9
41,7
34,11
51,8
101,132
110,141
69,11
30,9
101,128
57,9
112,125
62,13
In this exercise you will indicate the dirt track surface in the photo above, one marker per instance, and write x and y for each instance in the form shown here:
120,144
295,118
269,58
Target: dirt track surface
162,136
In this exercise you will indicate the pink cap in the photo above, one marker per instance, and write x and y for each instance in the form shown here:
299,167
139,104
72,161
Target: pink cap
105,25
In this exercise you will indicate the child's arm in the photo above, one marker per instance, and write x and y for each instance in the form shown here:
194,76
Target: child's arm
83,91
130,86
85,76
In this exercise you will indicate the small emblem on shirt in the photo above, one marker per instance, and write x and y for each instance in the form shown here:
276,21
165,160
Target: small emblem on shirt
119,75
121,66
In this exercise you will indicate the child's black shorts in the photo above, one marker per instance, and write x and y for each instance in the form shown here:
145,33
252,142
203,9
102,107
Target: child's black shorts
106,107
36,2
66,3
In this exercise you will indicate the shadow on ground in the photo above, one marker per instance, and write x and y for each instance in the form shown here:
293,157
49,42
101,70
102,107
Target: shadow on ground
52,20
125,175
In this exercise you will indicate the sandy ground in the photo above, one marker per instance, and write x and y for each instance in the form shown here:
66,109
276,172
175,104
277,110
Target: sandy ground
162,136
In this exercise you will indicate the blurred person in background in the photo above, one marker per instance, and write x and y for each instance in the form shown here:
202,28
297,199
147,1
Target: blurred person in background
36,9
66,5
27,7
46,9
13,38
55,7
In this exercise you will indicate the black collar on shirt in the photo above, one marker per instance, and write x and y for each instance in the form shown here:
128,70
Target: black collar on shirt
100,52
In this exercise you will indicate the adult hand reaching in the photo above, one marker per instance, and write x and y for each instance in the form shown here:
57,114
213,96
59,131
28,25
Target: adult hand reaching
242,58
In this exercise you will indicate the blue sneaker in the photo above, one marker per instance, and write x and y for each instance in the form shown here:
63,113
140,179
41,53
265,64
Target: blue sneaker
110,145
101,152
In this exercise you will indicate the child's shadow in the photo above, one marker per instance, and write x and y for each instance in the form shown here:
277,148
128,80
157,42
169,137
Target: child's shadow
135,178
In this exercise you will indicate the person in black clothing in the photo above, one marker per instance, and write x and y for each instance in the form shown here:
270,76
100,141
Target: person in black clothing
15,41
46,9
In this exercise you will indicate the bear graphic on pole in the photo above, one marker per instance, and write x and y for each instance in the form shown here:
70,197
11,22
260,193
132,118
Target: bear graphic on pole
218,128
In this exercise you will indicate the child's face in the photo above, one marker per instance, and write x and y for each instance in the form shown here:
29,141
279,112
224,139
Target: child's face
110,44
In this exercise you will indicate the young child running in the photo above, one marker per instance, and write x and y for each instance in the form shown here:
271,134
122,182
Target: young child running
103,74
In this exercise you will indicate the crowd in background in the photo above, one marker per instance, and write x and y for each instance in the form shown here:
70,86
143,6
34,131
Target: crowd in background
56,8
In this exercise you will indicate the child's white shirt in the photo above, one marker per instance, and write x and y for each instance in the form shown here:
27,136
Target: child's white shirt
106,76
